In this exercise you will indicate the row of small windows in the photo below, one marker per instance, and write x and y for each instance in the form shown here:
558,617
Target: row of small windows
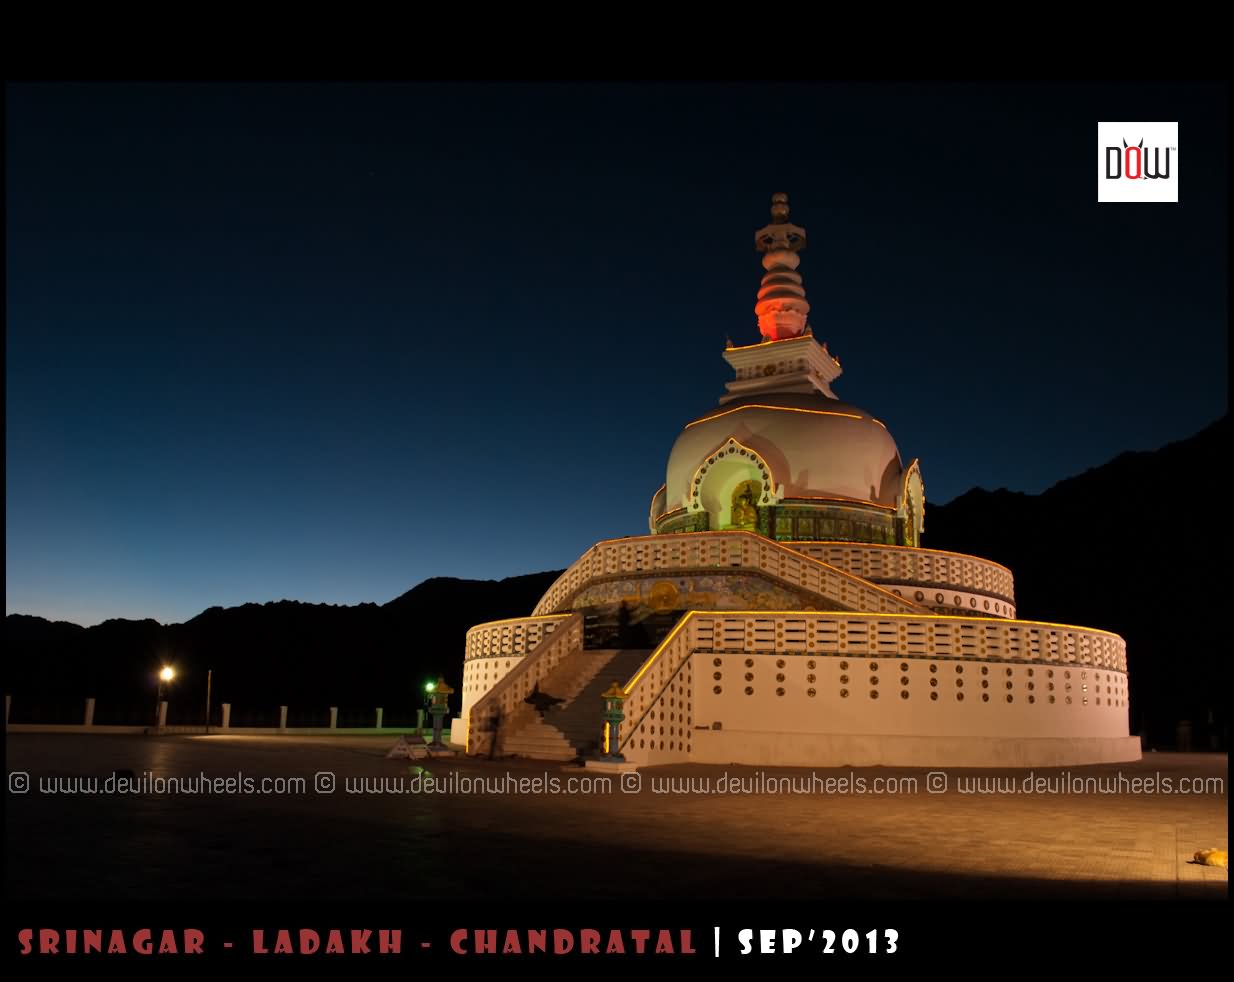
1008,670
1079,660
1114,693
959,696
957,604
476,676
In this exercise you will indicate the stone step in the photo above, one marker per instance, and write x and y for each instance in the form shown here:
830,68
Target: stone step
541,742
575,672
556,740
537,753
536,748
574,728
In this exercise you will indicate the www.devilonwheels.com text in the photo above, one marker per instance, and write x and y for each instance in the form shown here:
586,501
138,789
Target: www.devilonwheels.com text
423,782
628,783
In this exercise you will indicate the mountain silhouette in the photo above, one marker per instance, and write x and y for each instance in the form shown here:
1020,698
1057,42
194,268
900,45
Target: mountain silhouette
308,657
1131,546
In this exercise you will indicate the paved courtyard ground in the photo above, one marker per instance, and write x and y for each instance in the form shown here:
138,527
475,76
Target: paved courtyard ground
777,833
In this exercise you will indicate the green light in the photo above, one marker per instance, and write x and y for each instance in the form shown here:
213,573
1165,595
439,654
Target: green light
429,686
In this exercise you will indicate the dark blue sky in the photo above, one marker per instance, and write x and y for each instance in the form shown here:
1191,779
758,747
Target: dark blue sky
321,342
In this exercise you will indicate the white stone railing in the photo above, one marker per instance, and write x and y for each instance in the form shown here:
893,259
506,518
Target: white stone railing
920,567
493,649
669,554
515,636
659,697
652,700
503,705
906,636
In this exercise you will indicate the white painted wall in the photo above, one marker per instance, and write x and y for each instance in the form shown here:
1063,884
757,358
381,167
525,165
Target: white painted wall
481,674
832,729
827,711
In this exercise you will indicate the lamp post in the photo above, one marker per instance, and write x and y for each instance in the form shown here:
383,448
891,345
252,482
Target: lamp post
441,693
429,686
166,674
613,715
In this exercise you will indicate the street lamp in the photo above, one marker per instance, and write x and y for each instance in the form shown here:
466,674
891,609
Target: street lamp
441,693
612,716
166,674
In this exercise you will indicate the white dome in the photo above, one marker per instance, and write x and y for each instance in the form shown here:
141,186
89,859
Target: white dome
815,447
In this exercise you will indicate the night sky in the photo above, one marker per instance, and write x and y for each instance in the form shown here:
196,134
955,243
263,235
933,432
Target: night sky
320,342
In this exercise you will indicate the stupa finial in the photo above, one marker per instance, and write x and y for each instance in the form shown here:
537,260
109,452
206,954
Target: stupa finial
779,207
782,306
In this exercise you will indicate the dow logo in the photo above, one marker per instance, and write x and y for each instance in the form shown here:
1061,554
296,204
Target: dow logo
1137,161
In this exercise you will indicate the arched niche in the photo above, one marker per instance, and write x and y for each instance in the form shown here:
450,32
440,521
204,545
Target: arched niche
911,505
731,484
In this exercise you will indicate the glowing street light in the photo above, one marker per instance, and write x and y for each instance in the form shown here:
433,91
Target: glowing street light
166,674
441,697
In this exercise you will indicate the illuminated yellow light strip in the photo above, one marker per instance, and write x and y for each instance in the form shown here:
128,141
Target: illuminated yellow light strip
606,725
880,545
629,687
779,409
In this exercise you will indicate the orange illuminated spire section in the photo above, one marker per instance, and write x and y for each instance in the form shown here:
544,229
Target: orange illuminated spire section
782,306
788,359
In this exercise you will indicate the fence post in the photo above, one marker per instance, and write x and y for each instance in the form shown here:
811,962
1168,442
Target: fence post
226,715
334,717
282,719
90,711
379,717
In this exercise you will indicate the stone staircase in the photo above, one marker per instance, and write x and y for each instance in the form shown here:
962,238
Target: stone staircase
573,728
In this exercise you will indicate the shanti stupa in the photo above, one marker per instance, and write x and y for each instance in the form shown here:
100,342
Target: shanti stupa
782,609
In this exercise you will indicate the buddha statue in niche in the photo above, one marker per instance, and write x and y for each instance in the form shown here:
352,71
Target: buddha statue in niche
744,512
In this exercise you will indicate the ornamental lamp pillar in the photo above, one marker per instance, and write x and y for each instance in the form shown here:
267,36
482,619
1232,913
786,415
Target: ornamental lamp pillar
613,715
438,708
